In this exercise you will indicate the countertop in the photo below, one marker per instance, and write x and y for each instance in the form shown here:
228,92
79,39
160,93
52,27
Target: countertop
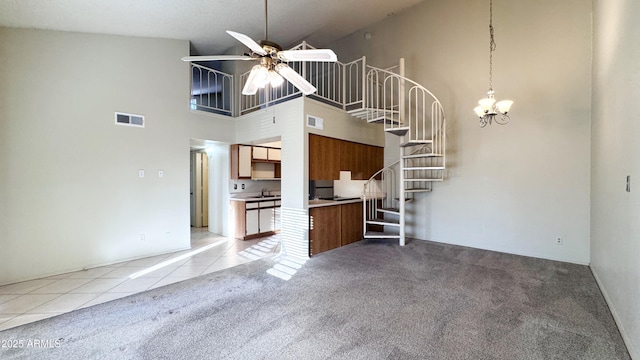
312,203
256,198
320,203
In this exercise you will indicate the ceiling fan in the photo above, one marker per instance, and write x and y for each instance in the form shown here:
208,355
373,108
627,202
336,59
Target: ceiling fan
272,68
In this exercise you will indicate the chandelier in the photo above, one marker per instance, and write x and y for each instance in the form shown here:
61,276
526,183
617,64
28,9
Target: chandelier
488,109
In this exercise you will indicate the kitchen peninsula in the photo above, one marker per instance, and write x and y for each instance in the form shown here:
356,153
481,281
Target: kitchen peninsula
334,223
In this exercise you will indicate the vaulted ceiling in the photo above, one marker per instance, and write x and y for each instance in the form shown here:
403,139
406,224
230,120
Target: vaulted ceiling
204,22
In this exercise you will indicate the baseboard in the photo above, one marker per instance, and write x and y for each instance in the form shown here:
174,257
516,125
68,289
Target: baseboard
625,336
511,251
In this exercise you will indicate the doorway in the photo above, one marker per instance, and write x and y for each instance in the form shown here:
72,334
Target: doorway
199,189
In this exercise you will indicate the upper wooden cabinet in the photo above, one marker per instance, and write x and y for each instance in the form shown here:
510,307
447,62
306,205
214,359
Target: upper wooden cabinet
373,160
260,153
352,156
249,162
240,162
274,154
324,158
329,156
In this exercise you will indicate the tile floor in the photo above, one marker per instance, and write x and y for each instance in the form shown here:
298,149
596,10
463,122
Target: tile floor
30,301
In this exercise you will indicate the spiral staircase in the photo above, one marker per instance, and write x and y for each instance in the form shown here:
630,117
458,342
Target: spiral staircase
410,111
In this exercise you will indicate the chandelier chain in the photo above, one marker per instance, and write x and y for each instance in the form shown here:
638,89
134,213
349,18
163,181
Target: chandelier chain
492,44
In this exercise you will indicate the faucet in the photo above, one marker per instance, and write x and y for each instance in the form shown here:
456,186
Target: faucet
262,192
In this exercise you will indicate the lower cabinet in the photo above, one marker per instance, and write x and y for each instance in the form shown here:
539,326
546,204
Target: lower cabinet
267,220
255,219
351,223
333,226
252,222
323,233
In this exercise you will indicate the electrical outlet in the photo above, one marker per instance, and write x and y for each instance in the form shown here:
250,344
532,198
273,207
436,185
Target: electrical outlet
142,237
235,186
242,186
559,240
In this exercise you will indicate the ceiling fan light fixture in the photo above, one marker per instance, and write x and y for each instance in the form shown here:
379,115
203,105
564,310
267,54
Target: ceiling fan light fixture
261,77
275,79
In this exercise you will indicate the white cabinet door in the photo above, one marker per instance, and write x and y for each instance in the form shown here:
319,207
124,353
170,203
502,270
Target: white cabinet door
275,154
266,219
244,161
260,153
253,221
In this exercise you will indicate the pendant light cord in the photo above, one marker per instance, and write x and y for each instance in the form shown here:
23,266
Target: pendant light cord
492,45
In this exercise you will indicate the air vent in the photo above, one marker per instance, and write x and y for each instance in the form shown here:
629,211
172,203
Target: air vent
129,119
315,122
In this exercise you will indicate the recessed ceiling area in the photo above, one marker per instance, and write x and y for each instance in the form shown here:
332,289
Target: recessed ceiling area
204,22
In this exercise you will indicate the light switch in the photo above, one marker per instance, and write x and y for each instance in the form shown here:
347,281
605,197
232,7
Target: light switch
160,173
141,173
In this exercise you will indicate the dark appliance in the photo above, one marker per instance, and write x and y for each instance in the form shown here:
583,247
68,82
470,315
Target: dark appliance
321,189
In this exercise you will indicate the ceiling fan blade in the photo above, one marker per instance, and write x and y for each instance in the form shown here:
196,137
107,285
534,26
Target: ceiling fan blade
254,46
294,78
308,55
217,57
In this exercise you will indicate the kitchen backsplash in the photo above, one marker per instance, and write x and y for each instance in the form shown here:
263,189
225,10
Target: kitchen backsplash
346,187
254,186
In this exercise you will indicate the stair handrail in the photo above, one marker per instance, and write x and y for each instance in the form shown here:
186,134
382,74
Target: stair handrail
385,103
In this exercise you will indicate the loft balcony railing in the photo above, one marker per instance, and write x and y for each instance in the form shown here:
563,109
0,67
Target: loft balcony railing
211,90
339,84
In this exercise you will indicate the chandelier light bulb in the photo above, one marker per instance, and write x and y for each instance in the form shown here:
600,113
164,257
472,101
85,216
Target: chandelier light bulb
504,106
478,110
487,104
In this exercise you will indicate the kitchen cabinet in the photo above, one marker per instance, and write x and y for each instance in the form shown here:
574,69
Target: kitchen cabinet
267,220
352,157
324,158
260,153
373,161
274,154
255,162
329,156
333,226
350,223
240,161
323,233
252,217
255,218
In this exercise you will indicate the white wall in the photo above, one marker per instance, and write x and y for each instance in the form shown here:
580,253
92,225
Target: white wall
511,188
219,174
70,196
615,229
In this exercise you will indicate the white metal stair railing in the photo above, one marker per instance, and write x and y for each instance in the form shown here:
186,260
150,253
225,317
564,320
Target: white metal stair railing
386,192
407,109
380,204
